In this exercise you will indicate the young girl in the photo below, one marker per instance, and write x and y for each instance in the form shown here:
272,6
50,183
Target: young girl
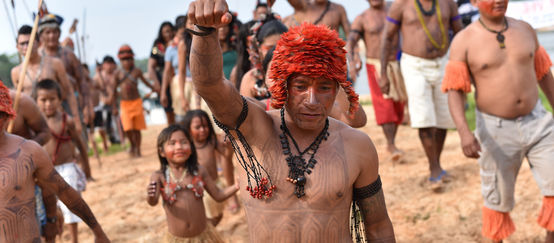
181,183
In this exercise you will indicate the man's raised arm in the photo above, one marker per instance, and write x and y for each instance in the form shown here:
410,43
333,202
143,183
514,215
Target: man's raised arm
206,63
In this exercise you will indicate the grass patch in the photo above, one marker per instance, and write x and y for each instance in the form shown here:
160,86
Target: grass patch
470,111
112,149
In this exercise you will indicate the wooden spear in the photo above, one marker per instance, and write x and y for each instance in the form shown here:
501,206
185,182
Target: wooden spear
24,67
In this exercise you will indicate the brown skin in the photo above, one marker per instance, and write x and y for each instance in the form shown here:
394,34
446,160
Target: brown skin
170,72
50,105
29,122
370,25
168,34
309,11
259,12
414,40
324,211
490,67
52,69
185,217
27,163
129,91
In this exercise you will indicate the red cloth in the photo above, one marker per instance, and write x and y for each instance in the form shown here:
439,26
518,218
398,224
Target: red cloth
386,110
497,225
546,215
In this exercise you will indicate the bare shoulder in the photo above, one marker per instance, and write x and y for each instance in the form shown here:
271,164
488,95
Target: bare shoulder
337,7
461,41
523,27
353,138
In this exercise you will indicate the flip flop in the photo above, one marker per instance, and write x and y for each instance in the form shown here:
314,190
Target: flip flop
436,183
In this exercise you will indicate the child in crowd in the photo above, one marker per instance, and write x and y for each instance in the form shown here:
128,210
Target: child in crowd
132,117
62,145
209,150
181,182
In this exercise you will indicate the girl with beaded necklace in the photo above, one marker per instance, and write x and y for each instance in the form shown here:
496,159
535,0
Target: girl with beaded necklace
181,182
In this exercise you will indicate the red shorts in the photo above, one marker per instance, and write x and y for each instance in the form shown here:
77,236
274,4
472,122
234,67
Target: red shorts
386,110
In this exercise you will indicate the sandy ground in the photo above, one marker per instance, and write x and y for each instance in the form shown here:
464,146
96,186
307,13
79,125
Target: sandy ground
117,198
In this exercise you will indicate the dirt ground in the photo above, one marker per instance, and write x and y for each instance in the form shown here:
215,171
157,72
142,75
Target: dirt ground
117,197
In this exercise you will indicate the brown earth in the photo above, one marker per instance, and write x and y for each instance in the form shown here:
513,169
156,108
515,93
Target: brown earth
117,198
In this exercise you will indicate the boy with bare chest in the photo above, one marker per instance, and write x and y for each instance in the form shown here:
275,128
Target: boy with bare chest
61,147
132,117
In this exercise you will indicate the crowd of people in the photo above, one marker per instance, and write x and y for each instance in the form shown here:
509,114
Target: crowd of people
274,97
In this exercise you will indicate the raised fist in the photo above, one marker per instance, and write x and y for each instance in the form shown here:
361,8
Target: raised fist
209,13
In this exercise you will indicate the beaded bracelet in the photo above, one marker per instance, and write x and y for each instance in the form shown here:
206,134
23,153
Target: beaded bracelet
205,31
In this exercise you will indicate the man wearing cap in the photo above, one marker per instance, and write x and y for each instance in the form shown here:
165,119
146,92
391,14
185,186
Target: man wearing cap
24,164
42,67
303,169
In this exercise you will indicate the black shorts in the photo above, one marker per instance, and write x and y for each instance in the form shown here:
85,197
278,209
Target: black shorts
98,119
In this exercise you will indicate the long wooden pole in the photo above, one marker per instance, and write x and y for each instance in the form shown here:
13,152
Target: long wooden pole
25,64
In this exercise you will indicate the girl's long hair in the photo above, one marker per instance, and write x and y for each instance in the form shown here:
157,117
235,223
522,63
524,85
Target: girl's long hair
160,38
187,121
192,162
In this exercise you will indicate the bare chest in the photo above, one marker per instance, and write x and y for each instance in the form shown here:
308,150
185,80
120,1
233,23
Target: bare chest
411,21
16,177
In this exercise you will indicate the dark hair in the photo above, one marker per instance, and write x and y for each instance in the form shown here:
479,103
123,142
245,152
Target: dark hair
243,63
85,66
160,38
47,84
261,5
187,121
25,30
187,37
192,162
108,59
271,26
267,59
234,26
180,21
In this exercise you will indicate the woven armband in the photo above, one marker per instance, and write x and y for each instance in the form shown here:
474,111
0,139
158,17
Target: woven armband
456,77
367,191
542,63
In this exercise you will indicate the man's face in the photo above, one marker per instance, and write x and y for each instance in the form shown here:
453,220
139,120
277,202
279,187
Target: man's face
376,3
48,101
492,8
23,43
50,37
109,67
310,100
260,12
127,63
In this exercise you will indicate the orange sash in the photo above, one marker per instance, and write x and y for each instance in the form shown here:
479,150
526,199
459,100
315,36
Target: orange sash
542,63
456,77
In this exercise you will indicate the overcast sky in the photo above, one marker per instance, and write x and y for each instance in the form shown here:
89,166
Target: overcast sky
111,23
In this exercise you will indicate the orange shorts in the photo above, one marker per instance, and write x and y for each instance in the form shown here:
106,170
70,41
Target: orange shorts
132,117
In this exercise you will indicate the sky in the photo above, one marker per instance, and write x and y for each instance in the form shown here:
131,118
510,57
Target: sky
111,23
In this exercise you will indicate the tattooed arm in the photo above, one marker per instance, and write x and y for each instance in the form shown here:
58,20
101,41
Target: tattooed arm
50,229
50,180
378,226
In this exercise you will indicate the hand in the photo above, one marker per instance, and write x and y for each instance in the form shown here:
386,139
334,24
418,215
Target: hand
209,13
50,230
152,189
470,145
163,99
384,84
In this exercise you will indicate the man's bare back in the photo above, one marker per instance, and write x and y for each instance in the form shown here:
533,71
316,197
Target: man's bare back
414,40
500,74
333,16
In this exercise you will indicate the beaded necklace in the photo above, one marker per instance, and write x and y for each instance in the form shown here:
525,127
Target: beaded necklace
499,34
298,167
419,10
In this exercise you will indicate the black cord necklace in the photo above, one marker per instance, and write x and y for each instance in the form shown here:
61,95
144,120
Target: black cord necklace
499,34
430,12
298,165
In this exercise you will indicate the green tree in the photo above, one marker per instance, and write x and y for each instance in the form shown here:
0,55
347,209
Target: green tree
7,62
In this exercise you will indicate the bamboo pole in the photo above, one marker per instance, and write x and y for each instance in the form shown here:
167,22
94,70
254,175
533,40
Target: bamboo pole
24,67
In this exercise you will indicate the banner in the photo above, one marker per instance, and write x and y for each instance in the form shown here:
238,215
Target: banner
538,13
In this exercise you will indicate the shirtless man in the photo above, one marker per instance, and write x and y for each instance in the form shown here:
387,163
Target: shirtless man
505,69
389,112
318,12
317,207
24,164
40,68
425,26
104,79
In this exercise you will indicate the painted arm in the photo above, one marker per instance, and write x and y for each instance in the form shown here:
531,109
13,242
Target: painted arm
153,189
206,65
378,226
353,56
49,179
34,119
387,43
214,191
67,89
50,207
